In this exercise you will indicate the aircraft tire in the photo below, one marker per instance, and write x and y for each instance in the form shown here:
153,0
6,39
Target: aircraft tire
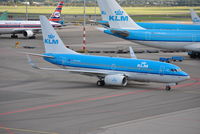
14,36
168,88
100,83
32,37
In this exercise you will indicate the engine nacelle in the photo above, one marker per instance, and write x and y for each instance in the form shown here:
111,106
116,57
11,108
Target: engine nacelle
28,33
117,79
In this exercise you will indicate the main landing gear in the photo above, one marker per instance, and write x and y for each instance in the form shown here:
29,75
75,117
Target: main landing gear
194,55
32,37
100,82
14,36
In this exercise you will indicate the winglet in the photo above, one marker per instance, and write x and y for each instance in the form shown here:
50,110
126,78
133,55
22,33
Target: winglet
117,17
30,62
195,17
133,56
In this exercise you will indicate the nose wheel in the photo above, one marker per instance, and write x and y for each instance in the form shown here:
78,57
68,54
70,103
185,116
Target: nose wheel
168,88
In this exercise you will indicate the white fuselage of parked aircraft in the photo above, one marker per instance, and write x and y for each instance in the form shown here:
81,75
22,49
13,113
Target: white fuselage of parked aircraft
29,28
14,27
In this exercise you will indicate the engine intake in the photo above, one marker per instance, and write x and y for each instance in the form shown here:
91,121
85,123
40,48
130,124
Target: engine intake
28,33
117,79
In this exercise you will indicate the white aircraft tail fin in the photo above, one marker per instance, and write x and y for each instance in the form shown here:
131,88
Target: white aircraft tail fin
116,16
195,17
103,11
52,42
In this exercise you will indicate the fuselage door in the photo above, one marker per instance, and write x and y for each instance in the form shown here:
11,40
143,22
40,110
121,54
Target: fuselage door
113,67
147,35
21,25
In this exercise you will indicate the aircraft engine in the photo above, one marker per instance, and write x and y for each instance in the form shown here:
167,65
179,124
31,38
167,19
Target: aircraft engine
28,33
117,79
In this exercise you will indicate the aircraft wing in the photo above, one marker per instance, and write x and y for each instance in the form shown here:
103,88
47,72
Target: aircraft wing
193,47
122,33
89,72
39,55
19,30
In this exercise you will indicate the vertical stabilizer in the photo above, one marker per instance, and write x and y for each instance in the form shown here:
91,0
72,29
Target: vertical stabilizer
195,17
117,17
56,15
52,42
4,16
102,9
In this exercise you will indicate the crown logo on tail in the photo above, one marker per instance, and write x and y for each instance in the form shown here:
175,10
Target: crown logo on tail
119,12
103,12
51,36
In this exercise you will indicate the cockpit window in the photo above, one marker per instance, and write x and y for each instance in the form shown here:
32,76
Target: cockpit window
175,70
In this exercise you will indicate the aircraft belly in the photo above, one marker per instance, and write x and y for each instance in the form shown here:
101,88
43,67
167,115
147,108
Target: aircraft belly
165,45
141,77
145,77
6,31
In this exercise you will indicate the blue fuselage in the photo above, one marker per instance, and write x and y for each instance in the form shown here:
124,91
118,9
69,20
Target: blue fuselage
163,26
167,26
158,35
115,64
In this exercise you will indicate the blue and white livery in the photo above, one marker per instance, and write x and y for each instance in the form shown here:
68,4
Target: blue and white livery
148,25
165,39
195,17
109,70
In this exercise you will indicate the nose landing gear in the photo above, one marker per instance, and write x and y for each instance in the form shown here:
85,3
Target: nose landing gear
168,88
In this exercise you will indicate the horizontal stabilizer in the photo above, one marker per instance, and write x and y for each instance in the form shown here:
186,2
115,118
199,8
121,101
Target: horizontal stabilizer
39,55
101,29
122,33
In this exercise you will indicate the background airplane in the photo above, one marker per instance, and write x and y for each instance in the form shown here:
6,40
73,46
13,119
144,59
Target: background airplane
109,70
149,25
121,25
30,28
4,16
195,17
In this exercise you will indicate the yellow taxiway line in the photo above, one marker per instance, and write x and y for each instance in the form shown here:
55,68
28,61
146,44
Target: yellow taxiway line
27,130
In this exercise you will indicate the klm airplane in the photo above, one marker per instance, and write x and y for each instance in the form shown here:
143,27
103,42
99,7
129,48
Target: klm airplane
109,70
195,17
121,25
148,25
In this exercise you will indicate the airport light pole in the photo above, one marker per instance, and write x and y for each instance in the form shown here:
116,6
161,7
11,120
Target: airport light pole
95,11
84,30
26,9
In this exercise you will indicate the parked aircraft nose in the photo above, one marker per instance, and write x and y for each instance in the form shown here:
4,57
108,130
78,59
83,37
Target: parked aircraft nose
185,76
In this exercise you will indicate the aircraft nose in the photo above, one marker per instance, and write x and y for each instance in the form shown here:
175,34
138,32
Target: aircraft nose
186,76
